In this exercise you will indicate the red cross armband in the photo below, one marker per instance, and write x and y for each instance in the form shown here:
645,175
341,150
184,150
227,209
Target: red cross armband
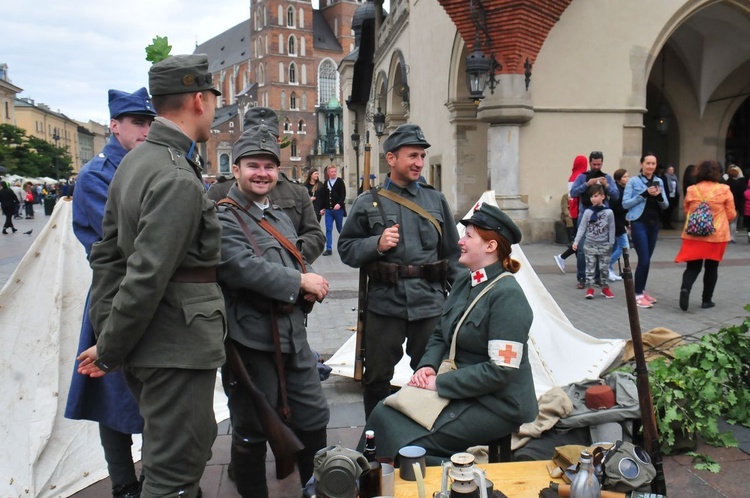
505,353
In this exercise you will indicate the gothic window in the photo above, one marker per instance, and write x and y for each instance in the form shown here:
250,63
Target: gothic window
261,75
283,103
281,72
293,101
301,126
327,81
281,43
281,15
290,17
287,125
302,46
304,74
294,148
292,48
304,101
301,18
292,72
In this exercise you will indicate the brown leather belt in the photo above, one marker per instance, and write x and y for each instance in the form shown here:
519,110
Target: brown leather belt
200,275
410,271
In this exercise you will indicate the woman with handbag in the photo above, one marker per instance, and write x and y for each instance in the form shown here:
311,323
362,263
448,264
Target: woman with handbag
705,248
485,389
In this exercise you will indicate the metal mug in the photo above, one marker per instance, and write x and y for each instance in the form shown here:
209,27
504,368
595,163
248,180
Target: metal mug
409,455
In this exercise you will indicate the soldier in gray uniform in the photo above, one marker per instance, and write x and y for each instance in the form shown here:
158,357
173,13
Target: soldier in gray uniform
157,310
268,290
289,196
410,257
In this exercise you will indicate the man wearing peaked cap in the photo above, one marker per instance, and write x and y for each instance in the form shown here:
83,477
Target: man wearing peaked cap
156,308
180,74
108,400
404,237
267,294
292,198
406,134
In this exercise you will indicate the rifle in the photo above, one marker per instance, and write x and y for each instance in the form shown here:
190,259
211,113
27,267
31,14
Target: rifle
648,418
283,441
359,348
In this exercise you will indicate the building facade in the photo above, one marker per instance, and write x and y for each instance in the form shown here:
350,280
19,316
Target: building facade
604,76
51,126
284,57
8,92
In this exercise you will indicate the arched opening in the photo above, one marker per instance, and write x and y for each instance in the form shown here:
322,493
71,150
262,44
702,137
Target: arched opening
738,138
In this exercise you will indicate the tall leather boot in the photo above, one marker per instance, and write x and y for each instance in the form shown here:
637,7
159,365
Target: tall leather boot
250,470
313,441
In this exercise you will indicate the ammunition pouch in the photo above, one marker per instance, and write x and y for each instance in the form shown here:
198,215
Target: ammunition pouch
390,273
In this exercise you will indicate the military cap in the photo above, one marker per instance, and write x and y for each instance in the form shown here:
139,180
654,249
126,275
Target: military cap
181,74
491,217
261,135
406,134
137,102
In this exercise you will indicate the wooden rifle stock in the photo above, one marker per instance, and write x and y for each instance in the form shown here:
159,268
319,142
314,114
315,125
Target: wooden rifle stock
359,348
648,417
283,441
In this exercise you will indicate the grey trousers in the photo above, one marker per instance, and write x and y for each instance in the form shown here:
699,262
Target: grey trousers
180,427
597,255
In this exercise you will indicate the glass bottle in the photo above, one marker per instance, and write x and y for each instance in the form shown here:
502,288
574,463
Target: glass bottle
585,484
370,446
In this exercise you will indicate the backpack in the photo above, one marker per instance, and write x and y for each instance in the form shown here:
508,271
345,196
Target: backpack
700,222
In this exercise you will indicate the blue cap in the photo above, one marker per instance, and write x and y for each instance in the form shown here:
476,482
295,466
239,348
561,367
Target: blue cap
138,102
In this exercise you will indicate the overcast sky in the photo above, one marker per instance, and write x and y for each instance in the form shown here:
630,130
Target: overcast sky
67,54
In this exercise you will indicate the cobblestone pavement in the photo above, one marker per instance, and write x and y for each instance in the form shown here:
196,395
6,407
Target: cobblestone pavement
333,321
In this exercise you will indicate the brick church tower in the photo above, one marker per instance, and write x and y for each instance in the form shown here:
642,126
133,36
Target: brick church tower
294,55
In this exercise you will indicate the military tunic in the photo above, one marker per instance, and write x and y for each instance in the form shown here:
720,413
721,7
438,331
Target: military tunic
488,399
168,335
409,309
106,399
246,279
295,202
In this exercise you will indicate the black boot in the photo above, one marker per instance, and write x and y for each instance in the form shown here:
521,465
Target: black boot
249,464
313,441
132,490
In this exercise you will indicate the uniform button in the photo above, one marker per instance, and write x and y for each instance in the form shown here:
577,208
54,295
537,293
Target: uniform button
453,415
291,298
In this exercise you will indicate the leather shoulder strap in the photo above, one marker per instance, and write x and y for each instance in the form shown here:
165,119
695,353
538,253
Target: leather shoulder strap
411,206
265,225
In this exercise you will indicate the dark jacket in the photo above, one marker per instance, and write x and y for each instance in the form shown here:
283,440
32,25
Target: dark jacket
329,197
8,198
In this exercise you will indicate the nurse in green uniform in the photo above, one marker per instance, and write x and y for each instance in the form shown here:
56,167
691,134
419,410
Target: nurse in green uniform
491,390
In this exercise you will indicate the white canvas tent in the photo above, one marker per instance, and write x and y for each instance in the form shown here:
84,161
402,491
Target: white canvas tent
559,353
43,454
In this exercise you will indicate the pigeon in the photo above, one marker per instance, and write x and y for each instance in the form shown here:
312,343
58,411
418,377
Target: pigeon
29,232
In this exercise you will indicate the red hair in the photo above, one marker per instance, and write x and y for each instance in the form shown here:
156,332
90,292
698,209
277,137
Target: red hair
503,248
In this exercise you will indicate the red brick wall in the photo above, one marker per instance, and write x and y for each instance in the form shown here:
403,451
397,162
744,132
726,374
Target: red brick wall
518,28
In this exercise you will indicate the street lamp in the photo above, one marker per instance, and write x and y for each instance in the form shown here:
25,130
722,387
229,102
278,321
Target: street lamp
355,146
331,156
56,138
379,121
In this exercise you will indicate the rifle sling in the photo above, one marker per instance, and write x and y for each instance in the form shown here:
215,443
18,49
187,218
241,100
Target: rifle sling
411,206
286,412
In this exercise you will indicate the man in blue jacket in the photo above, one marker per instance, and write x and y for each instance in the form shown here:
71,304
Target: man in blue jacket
107,399
594,175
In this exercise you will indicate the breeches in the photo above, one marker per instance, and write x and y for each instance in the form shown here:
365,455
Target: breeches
180,427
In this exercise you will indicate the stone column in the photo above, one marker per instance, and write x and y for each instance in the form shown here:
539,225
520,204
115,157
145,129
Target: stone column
505,111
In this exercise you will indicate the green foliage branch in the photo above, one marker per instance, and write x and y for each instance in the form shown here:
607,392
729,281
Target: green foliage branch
707,380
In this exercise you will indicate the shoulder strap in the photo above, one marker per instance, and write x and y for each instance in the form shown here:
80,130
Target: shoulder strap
466,314
411,206
265,225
